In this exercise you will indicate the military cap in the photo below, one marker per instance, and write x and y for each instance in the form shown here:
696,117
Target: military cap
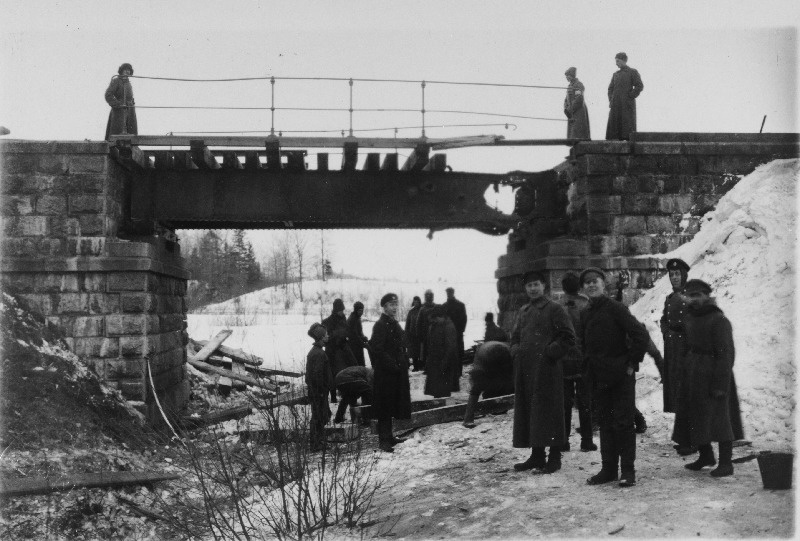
531,276
677,264
389,297
450,290
697,285
124,67
587,272
316,331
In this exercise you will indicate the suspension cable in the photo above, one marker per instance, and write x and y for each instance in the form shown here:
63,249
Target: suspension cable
507,125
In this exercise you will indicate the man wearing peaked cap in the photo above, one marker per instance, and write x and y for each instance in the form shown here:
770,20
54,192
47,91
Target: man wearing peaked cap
392,394
337,348
708,405
674,332
575,107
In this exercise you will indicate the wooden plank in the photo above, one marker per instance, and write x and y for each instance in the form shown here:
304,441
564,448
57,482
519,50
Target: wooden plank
47,485
209,347
200,365
450,414
416,405
235,354
216,417
417,159
202,156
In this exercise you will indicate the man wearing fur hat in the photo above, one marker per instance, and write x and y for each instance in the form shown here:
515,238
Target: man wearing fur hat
575,107
541,336
337,348
613,343
355,333
119,95
319,383
626,85
708,405
674,331
392,394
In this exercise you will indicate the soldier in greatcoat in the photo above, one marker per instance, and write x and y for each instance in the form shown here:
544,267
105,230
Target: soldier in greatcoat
441,368
575,107
541,336
422,326
392,394
673,331
457,313
355,333
337,347
626,85
412,339
319,382
119,95
708,405
613,344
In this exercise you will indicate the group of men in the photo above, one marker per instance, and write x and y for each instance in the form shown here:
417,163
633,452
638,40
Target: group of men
626,85
595,338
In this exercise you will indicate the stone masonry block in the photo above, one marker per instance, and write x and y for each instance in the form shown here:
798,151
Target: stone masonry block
49,247
96,365
51,205
673,183
91,246
611,204
625,184
11,183
57,283
107,348
86,204
600,223
25,226
84,326
606,244
675,203
132,346
174,303
172,322
124,368
39,183
61,226
128,281
17,282
93,225
138,302
93,281
599,184
639,203
600,164
17,205
172,340
88,163
39,303
103,303
167,360
132,389
20,247
638,245
86,183
661,224
154,345
71,303
651,183
131,249
628,225
119,325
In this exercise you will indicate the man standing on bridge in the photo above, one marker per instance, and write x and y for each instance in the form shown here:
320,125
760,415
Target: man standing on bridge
575,108
119,95
625,87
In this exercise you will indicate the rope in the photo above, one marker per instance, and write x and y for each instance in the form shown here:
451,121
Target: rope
344,79
158,403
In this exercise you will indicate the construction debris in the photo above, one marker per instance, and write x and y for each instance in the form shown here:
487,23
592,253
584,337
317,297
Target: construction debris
111,479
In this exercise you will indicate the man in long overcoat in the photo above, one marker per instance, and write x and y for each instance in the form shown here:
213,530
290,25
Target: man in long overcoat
411,333
422,326
337,347
355,333
119,95
457,313
319,382
708,405
392,393
575,108
542,335
441,368
625,87
674,332
613,343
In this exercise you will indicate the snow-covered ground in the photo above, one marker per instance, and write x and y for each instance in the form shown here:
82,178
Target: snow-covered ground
262,325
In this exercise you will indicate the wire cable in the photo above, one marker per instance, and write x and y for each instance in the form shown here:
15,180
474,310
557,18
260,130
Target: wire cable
507,125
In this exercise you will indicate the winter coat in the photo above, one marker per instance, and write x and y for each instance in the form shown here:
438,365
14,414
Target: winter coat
572,363
319,382
423,322
708,366
457,313
356,374
494,333
542,335
612,341
576,111
118,94
337,347
674,331
492,370
392,393
356,338
412,338
625,87
442,364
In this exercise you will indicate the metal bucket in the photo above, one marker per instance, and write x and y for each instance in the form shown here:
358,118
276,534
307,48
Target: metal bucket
776,470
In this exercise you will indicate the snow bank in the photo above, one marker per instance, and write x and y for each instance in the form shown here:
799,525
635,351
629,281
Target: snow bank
746,250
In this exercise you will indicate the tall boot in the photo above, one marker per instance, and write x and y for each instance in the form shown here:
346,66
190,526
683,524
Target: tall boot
706,458
725,467
609,457
536,460
385,434
553,460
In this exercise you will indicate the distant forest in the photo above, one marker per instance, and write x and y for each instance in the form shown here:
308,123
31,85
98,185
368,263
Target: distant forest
224,266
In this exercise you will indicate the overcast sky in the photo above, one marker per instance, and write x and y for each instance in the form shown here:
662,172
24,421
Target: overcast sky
706,66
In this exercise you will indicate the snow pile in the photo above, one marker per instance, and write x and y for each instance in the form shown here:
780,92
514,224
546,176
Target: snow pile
746,250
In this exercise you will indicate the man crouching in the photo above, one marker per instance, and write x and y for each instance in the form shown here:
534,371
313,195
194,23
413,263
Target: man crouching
541,336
